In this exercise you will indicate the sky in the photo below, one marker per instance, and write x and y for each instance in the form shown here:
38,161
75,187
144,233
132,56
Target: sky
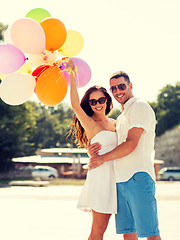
140,37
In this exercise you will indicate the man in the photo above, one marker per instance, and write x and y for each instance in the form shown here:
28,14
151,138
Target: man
134,166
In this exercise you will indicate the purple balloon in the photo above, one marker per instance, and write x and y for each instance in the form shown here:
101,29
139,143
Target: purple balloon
11,58
84,72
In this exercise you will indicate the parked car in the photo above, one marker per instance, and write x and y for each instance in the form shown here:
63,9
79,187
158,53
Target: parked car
44,172
169,174
26,168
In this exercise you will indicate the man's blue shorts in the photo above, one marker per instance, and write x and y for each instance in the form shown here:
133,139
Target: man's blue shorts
137,209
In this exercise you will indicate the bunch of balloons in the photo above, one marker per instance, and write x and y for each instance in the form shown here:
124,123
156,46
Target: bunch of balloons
32,59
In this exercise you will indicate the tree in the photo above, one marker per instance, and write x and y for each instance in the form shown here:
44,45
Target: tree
115,113
52,127
17,125
31,126
3,27
26,128
65,114
167,108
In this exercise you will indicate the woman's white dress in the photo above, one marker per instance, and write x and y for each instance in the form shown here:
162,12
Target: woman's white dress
99,190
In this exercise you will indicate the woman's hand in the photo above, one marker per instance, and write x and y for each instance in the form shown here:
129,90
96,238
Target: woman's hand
71,69
70,65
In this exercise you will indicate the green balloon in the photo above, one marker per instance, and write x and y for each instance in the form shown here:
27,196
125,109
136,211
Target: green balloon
38,14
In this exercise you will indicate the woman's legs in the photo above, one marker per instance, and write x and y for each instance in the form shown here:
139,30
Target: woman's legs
99,224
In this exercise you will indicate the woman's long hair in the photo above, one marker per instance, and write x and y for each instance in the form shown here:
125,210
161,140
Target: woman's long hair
76,128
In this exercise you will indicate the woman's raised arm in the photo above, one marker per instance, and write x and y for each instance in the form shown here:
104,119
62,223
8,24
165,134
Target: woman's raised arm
75,102
85,120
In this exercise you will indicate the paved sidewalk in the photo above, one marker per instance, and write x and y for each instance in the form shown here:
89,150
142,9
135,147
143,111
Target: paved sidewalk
43,213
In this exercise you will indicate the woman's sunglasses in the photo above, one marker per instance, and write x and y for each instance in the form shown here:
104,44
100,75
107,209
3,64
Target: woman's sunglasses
121,87
93,102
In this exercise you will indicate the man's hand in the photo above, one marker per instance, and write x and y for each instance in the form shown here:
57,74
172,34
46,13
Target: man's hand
95,161
93,149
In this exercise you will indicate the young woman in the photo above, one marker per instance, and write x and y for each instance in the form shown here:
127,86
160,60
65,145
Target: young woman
91,123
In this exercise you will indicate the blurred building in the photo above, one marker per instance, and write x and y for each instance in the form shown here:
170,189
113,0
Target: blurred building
167,148
68,161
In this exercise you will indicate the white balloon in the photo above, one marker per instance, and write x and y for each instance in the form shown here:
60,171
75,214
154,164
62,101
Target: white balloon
46,57
7,36
35,60
17,88
51,57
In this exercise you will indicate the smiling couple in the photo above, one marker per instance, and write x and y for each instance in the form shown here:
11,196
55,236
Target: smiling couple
121,177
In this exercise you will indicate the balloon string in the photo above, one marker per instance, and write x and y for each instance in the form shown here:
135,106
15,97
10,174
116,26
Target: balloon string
36,77
69,70
60,63
54,67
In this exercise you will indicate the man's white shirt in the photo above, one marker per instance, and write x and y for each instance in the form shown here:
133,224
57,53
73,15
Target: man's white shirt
136,113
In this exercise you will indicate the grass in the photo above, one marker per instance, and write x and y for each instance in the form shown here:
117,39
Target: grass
4,182
67,181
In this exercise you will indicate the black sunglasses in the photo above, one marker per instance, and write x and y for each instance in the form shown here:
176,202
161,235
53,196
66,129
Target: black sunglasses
121,87
93,102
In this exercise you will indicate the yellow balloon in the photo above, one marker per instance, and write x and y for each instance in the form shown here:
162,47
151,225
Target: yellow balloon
2,76
73,44
26,68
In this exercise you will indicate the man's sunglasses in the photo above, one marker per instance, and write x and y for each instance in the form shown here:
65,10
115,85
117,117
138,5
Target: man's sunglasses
121,87
93,102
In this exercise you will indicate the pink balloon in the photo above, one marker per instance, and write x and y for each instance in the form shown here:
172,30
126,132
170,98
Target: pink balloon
28,35
11,58
84,72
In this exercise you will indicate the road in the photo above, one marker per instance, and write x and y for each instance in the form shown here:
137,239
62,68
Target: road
50,213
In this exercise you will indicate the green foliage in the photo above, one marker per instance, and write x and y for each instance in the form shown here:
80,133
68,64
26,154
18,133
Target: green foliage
17,125
3,27
167,108
115,113
29,127
26,128
52,126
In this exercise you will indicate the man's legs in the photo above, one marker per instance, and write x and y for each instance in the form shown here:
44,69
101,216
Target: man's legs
154,238
141,197
133,236
124,219
130,236
137,196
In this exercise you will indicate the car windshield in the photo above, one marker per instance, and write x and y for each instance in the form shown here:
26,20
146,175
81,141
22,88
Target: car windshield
173,170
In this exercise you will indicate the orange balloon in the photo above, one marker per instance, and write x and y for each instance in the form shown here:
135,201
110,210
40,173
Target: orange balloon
51,87
55,33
